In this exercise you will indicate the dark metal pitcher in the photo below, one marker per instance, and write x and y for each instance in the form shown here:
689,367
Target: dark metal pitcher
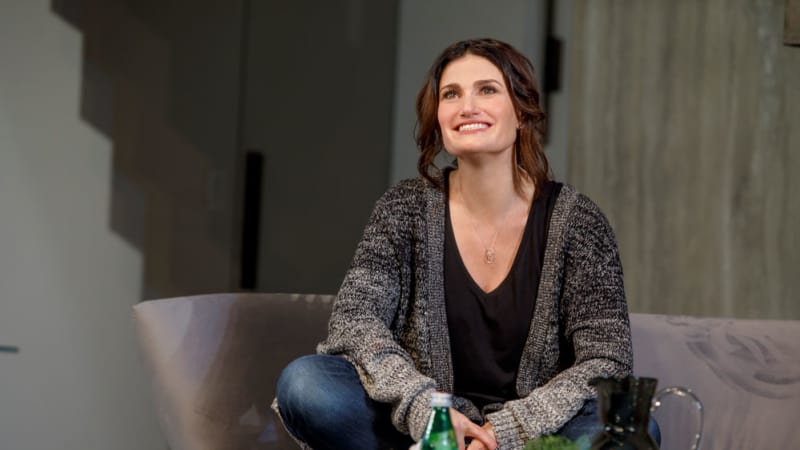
625,405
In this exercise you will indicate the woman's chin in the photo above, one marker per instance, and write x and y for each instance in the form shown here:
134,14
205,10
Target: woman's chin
477,152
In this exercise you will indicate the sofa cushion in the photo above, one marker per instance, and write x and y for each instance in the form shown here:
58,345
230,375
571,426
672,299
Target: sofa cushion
746,373
214,360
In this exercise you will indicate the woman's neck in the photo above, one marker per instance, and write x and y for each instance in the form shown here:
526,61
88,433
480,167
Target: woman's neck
486,188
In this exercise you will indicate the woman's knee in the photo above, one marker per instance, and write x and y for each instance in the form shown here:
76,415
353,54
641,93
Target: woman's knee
297,374
297,381
313,385
586,422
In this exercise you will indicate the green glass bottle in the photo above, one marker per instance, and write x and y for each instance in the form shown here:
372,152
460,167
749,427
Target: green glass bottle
439,434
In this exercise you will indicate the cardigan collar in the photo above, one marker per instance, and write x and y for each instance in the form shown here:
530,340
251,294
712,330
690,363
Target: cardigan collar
436,312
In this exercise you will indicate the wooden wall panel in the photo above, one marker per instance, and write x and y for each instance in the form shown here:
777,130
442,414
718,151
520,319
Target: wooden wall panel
685,120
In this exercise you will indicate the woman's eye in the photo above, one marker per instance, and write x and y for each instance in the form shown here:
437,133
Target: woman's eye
488,90
448,94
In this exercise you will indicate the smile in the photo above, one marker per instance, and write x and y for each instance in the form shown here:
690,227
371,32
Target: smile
473,126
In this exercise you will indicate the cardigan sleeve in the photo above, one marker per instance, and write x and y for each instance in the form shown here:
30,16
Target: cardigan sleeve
360,328
592,317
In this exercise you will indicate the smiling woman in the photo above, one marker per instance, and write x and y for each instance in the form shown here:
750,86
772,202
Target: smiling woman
514,74
475,110
485,279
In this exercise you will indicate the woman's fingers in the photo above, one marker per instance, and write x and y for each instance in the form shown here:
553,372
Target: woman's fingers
460,423
480,435
477,445
481,438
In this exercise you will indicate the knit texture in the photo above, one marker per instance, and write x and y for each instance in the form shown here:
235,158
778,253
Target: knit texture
389,318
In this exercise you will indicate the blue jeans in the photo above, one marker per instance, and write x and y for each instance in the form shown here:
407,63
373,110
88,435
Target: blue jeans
323,403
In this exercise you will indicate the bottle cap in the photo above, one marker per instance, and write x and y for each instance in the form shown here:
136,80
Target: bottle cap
441,399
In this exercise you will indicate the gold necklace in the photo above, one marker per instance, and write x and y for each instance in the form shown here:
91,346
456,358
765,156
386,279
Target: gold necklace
489,254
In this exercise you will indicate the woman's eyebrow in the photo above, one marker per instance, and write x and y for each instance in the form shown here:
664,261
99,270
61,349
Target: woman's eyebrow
449,86
476,83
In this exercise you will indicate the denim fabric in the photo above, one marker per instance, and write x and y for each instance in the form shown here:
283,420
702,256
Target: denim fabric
322,403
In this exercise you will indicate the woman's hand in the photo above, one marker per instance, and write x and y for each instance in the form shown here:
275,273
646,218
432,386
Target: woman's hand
482,437
478,445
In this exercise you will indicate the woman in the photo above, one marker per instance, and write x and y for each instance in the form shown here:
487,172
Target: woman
485,279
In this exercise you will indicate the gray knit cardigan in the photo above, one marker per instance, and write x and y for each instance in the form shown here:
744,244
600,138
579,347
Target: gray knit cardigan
389,317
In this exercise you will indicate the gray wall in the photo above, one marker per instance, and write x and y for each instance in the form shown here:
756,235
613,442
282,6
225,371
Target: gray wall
67,280
318,105
685,128
161,80
426,28
118,122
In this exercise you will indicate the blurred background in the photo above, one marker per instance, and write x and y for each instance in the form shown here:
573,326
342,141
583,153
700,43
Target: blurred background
151,149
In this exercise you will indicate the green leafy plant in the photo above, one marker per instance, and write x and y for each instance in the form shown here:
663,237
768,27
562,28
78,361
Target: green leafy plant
557,443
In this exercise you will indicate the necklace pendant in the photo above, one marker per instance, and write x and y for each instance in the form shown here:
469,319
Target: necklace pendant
489,256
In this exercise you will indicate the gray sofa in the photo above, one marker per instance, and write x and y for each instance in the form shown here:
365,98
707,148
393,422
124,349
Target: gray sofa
214,359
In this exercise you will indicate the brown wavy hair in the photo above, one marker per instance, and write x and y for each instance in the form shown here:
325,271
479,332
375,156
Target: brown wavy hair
518,73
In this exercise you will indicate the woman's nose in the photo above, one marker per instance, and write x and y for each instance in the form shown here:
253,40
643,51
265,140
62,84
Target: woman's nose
468,106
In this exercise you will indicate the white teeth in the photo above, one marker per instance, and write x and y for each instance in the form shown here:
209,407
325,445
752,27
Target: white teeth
472,126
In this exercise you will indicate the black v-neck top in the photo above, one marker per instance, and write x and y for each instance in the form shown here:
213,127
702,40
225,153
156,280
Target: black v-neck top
488,330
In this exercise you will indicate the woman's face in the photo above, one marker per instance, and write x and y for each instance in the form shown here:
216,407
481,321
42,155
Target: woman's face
475,110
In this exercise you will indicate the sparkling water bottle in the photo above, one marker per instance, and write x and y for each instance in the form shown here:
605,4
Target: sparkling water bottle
439,434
